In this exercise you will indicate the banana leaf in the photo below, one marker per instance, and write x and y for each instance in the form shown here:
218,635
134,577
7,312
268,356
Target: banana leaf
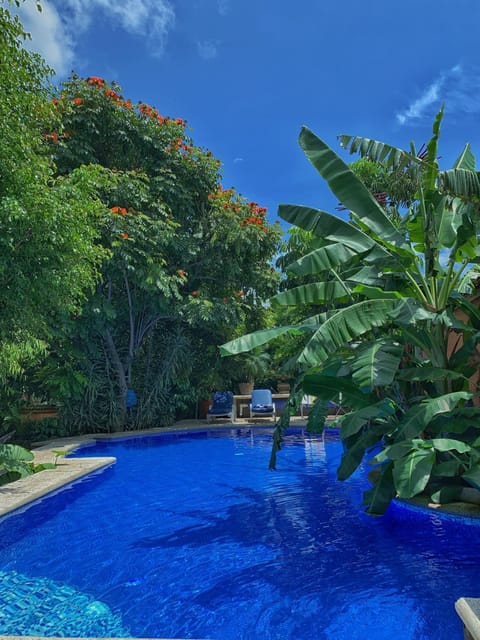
418,417
347,187
472,476
376,363
460,182
258,338
466,160
355,448
333,388
344,326
322,259
313,293
381,494
353,422
326,226
412,472
376,151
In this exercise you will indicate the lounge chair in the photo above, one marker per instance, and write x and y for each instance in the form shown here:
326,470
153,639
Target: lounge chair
222,406
261,403
306,405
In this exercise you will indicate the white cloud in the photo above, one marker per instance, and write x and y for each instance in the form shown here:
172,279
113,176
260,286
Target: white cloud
236,160
55,30
49,37
207,49
457,87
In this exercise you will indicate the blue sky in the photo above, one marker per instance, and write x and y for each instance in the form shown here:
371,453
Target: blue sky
246,74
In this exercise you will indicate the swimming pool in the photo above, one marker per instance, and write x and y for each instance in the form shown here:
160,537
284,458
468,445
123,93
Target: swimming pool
190,536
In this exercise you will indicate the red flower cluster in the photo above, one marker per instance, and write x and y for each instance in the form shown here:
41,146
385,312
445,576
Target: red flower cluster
53,136
97,82
121,210
253,220
124,236
110,93
259,211
77,101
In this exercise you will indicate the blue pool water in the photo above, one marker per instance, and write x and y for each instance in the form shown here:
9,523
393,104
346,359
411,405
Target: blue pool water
190,536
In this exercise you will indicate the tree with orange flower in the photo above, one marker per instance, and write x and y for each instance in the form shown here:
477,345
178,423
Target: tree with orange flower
189,261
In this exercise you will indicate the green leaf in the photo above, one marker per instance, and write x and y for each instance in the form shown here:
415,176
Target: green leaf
14,453
430,175
461,183
347,187
355,451
313,293
426,373
376,151
345,325
376,364
447,444
258,338
381,494
473,476
411,473
419,416
446,495
466,160
354,421
394,452
447,469
327,226
333,388
323,259
376,293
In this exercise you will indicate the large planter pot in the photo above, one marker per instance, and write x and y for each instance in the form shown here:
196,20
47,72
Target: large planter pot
35,413
203,406
245,388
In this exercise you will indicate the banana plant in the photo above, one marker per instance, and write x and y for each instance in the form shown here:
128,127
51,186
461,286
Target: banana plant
398,335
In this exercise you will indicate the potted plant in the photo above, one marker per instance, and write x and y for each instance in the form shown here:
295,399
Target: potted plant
283,385
251,365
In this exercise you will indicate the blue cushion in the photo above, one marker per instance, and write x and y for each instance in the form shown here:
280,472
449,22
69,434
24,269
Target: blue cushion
262,408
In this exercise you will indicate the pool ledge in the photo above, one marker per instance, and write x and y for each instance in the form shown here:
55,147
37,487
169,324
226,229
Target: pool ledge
26,490
469,611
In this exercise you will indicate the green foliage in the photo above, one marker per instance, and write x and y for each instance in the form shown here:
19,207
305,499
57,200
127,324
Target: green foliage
17,462
47,256
390,341
165,296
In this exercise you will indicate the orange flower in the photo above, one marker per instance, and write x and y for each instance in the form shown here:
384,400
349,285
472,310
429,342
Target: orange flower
181,273
110,93
121,210
194,293
124,236
99,82
77,101
53,136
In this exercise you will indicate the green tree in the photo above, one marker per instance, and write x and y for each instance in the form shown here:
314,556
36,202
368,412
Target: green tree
47,255
188,261
397,284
